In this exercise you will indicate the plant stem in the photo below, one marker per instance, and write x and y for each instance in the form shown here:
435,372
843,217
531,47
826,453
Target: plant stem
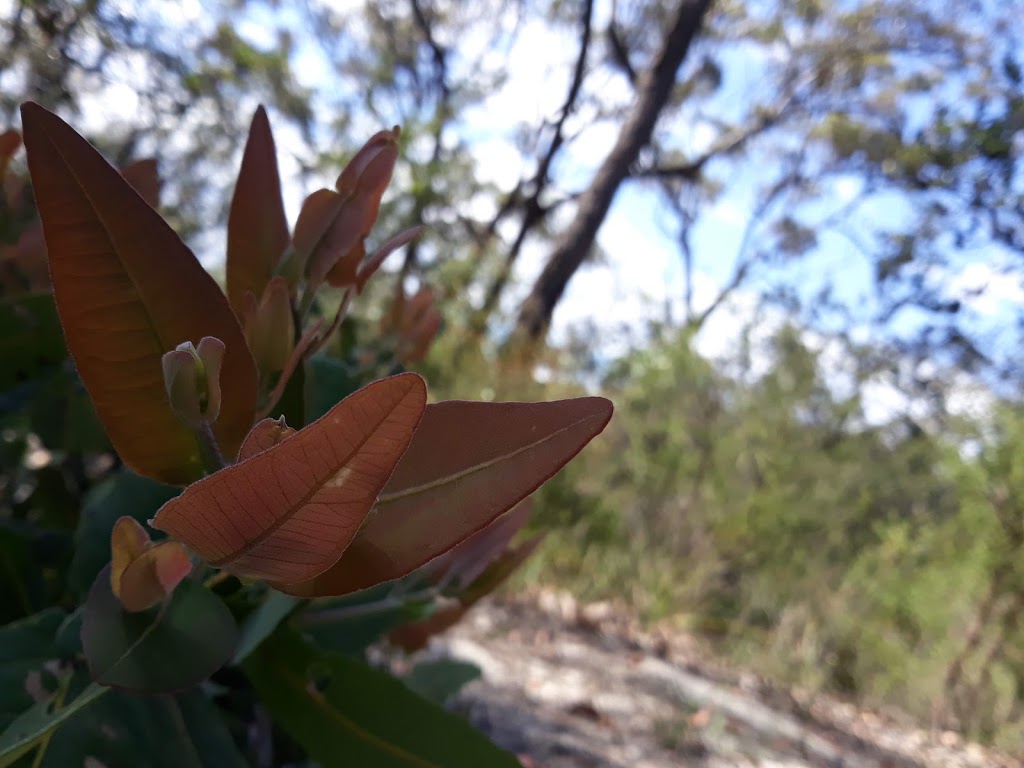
209,450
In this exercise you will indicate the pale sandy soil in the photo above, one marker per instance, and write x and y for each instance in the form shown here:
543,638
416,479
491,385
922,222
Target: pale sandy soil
568,686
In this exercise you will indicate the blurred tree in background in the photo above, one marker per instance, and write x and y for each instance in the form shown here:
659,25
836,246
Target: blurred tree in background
816,453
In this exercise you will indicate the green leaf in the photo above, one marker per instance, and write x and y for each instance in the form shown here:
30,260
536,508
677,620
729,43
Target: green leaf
262,622
31,339
167,648
181,731
125,494
345,713
68,640
328,381
440,679
32,726
20,576
64,417
351,623
24,647
292,403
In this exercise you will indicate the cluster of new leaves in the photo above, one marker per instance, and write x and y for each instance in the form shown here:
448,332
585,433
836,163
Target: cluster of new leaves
302,470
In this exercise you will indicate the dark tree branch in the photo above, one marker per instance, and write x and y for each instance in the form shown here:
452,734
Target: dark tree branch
442,113
620,55
653,90
533,212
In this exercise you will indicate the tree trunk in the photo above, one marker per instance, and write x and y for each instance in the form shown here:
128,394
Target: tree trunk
653,90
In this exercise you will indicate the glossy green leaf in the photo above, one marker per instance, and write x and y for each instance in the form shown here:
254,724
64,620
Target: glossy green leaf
125,494
467,464
119,276
257,227
345,713
168,648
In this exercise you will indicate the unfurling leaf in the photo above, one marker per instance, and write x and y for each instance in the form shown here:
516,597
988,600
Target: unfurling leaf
142,573
288,513
467,464
192,380
333,225
257,226
121,279
269,326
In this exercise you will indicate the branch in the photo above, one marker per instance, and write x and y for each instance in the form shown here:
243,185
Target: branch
732,142
533,212
653,90
744,260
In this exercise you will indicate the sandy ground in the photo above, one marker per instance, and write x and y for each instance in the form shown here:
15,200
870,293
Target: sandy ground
569,686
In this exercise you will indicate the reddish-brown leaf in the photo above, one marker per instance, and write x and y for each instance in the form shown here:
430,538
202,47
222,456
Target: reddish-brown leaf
128,290
315,217
265,435
143,573
467,464
257,226
144,176
462,564
414,635
288,513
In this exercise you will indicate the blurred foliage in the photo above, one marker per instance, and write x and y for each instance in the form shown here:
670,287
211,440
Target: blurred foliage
880,560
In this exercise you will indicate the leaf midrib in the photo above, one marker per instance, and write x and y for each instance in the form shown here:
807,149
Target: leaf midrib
395,496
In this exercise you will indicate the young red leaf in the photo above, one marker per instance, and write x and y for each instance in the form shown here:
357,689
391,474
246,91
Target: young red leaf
128,290
257,226
329,235
288,513
269,326
315,217
143,573
467,464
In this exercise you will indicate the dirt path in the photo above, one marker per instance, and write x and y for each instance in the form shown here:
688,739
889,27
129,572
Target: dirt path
570,687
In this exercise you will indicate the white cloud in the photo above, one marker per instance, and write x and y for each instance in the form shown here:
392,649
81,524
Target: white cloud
982,287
